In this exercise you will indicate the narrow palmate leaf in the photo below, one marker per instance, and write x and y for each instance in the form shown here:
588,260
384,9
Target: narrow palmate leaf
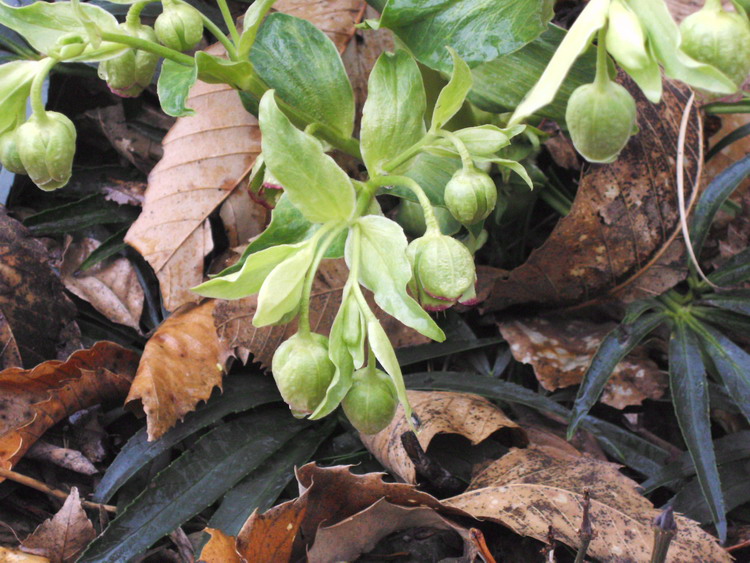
712,199
199,477
737,301
612,350
424,352
734,271
240,393
687,381
723,319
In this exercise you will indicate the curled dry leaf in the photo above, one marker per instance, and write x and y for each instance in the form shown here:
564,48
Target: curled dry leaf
64,536
532,490
112,287
560,350
181,364
32,299
470,416
31,401
623,219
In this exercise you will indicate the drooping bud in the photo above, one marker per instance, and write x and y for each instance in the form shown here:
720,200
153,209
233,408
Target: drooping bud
601,119
371,401
9,153
718,38
303,371
131,72
443,270
46,146
179,26
470,195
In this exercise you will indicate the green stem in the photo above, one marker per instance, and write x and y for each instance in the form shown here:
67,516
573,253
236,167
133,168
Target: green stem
719,108
602,70
133,18
463,152
429,214
221,36
149,46
229,21
408,154
372,361
37,101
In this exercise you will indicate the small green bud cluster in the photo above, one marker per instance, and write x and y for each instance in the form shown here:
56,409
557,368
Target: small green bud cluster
371,401
131,72
179,26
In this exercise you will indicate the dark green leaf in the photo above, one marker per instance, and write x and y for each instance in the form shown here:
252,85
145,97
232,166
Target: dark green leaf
687,382
611,351
240,393
737,301
733,271
424,352
301,63
219,460
638,308
87,212
739,133
173,87
713,197
262,487
111,246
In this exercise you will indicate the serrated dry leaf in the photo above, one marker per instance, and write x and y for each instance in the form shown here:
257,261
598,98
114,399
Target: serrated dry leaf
470,416
560,351
531,491
64,536
221,548
623,218
32,299
182,362
31,401
234,318
112,286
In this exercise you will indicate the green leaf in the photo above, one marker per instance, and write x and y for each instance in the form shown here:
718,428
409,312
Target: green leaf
194,481
260,489
483,140
424,352
385,270
312,180
452,96
287,226
109,247
738,134
711,200
385,354
519,71
301,63
479,30
723,319
240,393
250,24
215,70
43,23
393,114
173,87
589,21
611,351
734,271
737,301
15,85
88,211
687,382
281,292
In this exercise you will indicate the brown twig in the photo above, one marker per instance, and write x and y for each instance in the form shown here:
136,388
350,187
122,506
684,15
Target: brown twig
437,477
737,546
586,532
39,486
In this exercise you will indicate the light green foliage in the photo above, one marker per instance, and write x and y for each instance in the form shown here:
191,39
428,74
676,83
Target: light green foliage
175,81
452,97
15,85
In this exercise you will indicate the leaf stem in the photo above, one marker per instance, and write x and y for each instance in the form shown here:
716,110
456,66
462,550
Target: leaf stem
133,17
37,101
409,153
429,214
463,152
229,21
602,72
149,46
221,36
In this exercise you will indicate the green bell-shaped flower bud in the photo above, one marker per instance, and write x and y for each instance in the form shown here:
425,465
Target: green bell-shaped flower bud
470,195
68,46
371,401
303,371
718,38
131,72
9,153
443,270
601,119
46,145
625,39
179,26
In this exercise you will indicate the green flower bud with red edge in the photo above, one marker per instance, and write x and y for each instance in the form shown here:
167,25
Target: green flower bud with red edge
303,371
371,401
179,26
9,153
131,72
443,270
46,146
470,195
718,38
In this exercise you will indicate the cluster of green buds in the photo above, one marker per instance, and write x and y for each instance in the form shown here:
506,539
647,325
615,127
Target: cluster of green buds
179,26
131,72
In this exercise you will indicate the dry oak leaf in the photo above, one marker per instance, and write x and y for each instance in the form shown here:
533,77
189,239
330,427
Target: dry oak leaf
623,219
64,536
532,490
470,416
32,299
112,287
31,401
235,328
560,351
182,362
220,548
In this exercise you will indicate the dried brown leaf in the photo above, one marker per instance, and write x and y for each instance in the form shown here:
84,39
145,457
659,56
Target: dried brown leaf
64,457
31,401
32,299
531,491
181,364
221,548
336,18
112,286
560,350
10,357
64,536
15,556
622,220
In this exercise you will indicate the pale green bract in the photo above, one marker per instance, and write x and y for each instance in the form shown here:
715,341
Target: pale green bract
15,84
452,96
